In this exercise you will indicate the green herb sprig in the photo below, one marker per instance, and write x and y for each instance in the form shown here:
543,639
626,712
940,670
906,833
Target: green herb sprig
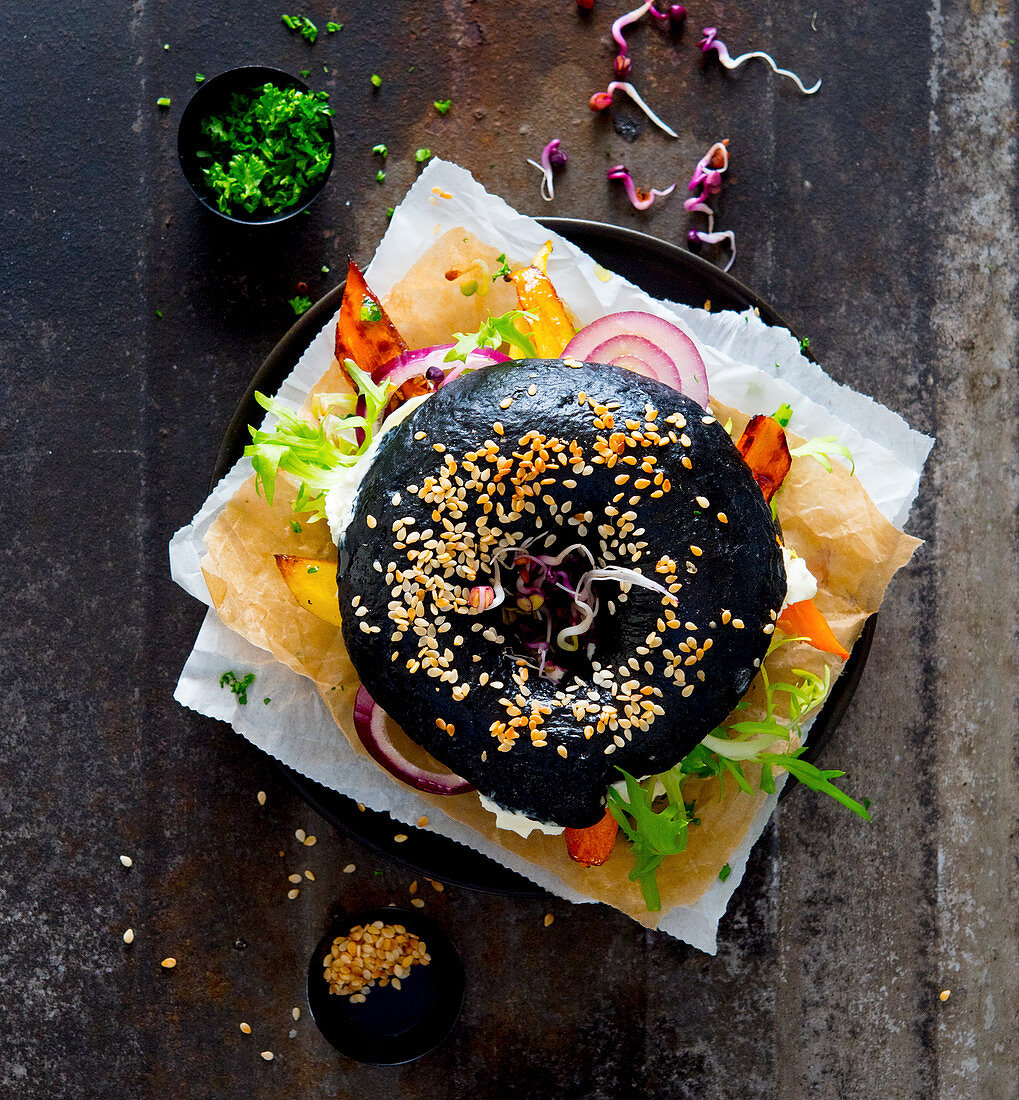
493,332
238,686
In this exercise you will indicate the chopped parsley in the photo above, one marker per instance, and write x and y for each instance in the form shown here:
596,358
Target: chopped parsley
423,156
504,271
267,700
312,568
376,80
805,343
295,527
442,105
380,176
238,686
783,414
163,101
199,78
267,149
332,28
390,211
303,25
380,150
370,310
299,304
725,872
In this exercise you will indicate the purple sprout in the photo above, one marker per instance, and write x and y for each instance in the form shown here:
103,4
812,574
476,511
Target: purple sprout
640,199
622,63
708,177
697,237
602,100
551,157
675,13
711,41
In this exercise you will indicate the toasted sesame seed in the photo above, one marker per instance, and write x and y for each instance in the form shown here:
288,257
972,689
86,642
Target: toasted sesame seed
291,894
722,517
350,869
437,886
309,875
498,428
300,834
168,963
371,521
400,838
261,798
561,749
944,995
246,1028
268,1055
418,903
294,878
295,1012
737,624
126,860
422,821
549,918
310,841
128,935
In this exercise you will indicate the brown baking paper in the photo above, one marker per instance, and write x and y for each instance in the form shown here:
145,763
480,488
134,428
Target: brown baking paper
827,518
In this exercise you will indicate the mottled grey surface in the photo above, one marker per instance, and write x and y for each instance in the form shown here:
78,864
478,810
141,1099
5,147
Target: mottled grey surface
879,217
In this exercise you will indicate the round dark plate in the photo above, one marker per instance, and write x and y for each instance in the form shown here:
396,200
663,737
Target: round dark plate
391,1026
663,270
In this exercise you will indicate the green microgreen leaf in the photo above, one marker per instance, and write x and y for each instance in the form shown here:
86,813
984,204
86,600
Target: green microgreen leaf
376,80
380,150
494,332
783,414
442,105
504,271
299,304
332,28
163,101
422,156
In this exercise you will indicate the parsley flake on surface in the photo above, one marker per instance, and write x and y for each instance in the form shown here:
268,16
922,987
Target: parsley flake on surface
380,176
423,156
299,304
267,149
332,28
442,105
376,80
303,25
238,686
380,150
163,101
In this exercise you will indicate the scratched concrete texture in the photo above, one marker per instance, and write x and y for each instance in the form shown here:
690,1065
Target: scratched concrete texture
879,217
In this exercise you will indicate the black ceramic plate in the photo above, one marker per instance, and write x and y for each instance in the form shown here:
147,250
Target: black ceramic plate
664,271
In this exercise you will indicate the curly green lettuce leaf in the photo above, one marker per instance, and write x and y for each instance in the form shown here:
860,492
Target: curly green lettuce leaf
315,453
493,333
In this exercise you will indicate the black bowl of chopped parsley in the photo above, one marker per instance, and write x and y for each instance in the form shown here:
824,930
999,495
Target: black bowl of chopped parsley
256,144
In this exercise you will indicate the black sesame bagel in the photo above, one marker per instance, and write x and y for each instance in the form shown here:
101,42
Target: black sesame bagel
482,520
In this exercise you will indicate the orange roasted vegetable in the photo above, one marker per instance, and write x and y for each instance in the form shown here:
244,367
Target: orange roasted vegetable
764,449
805,621
592,846
364,331
551,329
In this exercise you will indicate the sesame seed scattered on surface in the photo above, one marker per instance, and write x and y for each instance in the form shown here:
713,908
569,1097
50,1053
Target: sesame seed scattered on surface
126,860
268,1055
310,841
300,834
349,869
261,798
291,894
128,935
361,806
371,521
246,1028
418,903
309,875
296,1013
437,886
944,995
400,838
549,918
168,963
294,878
422,821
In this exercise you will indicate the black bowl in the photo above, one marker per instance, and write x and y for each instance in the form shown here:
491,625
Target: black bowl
211,98
392,1026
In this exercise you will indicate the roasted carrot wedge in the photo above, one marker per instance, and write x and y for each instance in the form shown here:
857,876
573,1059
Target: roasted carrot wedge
804,620
364,331
551,328
765,450
592,846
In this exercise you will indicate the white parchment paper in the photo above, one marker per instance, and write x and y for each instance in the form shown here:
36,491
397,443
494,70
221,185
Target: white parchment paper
750,366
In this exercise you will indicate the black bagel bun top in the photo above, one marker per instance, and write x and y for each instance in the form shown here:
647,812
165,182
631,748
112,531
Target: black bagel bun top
551,454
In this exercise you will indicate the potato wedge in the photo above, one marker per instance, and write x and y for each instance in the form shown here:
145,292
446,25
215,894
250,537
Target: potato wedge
313,584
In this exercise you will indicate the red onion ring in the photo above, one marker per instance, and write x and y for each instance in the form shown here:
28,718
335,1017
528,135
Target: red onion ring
370,724
626,336
414,364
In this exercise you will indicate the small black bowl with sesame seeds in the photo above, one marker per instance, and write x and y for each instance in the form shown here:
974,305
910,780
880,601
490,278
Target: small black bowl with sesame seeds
385,986
553,569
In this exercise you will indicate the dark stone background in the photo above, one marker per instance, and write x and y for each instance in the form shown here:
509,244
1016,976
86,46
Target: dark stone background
879,217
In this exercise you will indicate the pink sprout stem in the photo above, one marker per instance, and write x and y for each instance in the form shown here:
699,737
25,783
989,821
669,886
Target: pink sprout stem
711,41
622,63
716,238
551,157
600,100
640,199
